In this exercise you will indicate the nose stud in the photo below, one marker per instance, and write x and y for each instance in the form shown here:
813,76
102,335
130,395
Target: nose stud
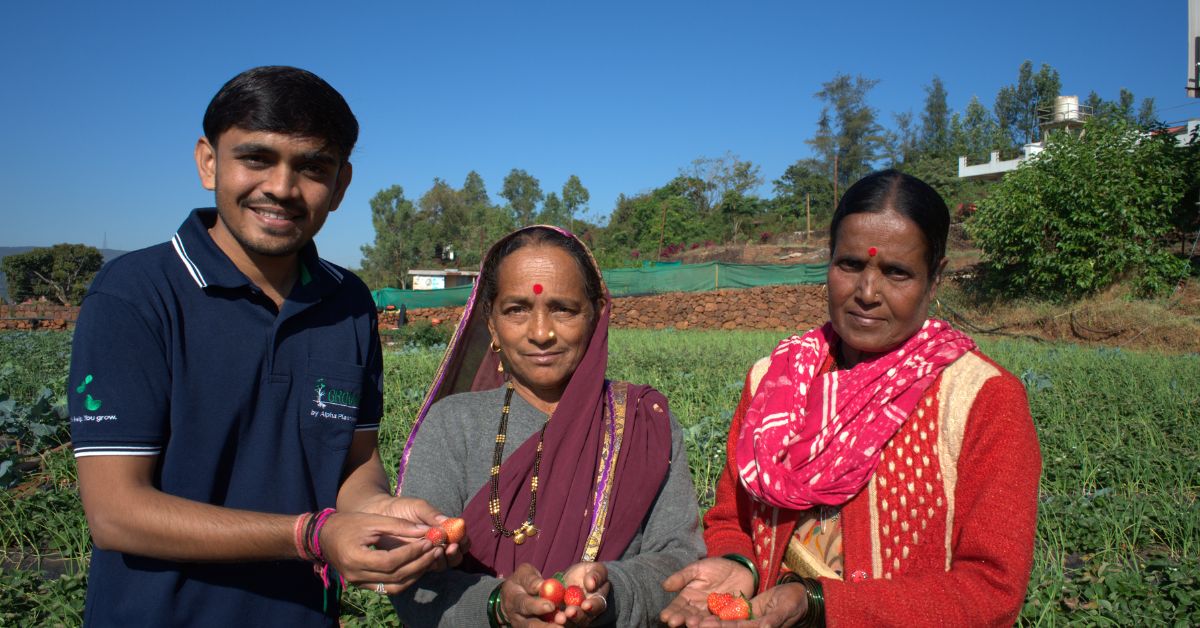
550,335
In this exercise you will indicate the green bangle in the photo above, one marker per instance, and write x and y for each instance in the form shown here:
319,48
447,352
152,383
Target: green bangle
495,614
814,616
748,564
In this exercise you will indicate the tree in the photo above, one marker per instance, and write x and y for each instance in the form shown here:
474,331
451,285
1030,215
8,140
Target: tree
1089,210
714,177
553,212
977,133
61,272
1017,105
847,131
385,263
805,181
486,223
523,193
935,120
575,198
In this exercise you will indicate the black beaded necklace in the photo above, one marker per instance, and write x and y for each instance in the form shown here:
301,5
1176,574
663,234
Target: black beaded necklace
526,529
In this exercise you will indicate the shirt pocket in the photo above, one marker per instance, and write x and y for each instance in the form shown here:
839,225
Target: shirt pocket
332,394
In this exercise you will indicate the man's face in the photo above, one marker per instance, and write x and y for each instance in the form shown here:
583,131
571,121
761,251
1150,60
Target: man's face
273,190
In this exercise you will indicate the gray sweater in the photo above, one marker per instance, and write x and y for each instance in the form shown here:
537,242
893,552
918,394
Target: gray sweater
450,461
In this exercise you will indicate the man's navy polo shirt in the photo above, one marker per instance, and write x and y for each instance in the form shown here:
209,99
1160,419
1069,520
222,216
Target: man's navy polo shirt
178,355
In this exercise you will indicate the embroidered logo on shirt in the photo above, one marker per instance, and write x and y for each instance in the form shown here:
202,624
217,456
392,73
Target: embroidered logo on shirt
91,403
329,396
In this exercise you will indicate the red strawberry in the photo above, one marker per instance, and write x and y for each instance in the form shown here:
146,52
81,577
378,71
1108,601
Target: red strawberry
573,596
455,529
718,601
552,589
437,536
737,609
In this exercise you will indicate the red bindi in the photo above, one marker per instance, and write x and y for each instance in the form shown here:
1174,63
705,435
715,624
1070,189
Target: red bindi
872,251
537,288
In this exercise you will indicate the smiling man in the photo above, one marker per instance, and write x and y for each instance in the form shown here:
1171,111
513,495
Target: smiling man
226,391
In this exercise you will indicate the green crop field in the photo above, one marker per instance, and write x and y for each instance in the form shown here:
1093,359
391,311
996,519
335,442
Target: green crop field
1118,537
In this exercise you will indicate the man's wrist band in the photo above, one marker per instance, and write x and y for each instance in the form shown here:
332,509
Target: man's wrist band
495,614
748,564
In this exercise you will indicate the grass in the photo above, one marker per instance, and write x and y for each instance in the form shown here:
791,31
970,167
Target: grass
1118,536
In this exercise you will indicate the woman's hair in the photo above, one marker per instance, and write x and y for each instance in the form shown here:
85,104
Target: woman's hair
906,195
489,276
282,99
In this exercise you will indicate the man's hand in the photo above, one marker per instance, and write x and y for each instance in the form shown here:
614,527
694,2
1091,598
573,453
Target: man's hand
348,542
695,581
420,516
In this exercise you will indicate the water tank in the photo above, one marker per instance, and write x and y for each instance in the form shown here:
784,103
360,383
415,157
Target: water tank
1066,108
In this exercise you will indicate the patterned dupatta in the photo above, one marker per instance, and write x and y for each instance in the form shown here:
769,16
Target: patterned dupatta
808,441
605,454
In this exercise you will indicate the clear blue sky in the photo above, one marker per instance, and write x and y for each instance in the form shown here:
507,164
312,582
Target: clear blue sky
102,102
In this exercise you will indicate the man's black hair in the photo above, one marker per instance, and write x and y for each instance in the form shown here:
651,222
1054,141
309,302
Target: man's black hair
283,99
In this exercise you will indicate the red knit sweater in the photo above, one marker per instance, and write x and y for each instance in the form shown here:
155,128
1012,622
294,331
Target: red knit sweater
966,460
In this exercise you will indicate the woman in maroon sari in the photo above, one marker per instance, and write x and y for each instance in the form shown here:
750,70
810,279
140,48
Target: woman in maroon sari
554,467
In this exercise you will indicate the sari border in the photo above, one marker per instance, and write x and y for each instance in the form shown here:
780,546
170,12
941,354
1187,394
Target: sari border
618,396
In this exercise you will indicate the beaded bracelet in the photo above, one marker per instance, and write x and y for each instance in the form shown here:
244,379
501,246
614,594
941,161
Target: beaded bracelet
495,614
748,564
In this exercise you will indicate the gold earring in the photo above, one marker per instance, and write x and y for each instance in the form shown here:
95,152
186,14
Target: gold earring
495,347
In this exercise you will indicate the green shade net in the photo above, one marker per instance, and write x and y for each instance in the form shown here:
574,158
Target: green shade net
623,282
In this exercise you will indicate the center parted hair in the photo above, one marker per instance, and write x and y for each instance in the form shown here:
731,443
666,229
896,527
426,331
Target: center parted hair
283,99
488,277
906,195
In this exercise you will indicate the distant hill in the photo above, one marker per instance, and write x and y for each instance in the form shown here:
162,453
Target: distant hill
5,251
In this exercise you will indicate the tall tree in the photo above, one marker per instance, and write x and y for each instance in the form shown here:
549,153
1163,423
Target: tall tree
935,120
978,133
1146,116
61,272
486,222
523,193
553,212
847,130
716,176
575,198
1017,105
805,187
385,262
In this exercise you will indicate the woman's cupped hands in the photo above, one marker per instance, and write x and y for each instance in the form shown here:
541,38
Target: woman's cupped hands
524,604
776,607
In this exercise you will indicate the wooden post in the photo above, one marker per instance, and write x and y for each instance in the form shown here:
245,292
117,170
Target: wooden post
662,230
835,178
807,216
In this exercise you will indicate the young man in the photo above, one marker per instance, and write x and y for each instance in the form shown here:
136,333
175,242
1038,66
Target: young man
226,386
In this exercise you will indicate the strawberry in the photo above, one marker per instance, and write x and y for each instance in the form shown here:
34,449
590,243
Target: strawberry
573,596
455,529
552,589
737,609
718,601
437,536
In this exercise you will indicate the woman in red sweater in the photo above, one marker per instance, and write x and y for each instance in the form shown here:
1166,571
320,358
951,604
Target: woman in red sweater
880,469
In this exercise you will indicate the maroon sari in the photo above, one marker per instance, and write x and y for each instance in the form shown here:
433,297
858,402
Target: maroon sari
605,455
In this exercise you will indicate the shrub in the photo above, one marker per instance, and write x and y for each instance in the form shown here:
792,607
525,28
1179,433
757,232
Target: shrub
1088,211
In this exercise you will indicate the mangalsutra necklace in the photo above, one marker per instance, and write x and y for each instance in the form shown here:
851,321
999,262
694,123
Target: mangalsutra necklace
526,529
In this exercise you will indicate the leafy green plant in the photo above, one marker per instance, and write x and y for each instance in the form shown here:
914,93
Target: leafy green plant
1091,209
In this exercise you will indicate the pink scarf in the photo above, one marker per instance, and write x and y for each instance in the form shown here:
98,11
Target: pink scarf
809,440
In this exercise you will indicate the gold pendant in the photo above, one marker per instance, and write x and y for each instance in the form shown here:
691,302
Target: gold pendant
529,529
519,538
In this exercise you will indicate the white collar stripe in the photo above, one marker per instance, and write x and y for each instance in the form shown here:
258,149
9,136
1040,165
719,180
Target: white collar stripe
331,269
191,267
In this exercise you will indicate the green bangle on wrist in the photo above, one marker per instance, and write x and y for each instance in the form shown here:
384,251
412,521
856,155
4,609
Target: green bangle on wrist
814,592
495,614
748,564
